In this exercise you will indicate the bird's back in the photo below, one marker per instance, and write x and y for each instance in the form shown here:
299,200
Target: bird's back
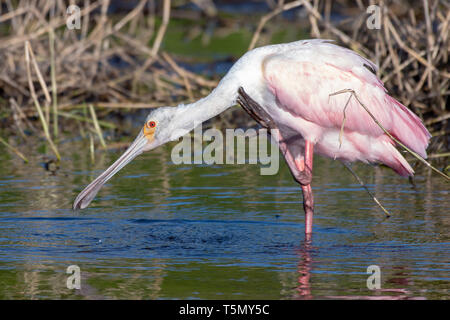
302,76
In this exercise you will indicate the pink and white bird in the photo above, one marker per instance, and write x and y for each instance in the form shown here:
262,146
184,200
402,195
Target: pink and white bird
289,87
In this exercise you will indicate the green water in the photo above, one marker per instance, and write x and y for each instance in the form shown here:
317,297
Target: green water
164,231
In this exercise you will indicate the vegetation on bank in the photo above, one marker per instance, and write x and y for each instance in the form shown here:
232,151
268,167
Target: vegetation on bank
56,82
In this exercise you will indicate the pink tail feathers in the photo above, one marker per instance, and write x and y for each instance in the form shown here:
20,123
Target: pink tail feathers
409,129
393,159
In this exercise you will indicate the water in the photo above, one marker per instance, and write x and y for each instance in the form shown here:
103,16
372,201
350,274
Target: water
163,231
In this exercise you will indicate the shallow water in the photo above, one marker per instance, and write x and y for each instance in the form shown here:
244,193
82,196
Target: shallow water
164,231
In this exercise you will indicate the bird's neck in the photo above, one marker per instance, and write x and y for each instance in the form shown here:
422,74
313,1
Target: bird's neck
220,99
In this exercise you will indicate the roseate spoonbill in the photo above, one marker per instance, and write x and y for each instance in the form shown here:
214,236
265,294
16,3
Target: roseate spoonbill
289,87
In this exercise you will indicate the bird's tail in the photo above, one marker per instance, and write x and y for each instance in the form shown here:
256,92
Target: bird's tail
391,157
409,129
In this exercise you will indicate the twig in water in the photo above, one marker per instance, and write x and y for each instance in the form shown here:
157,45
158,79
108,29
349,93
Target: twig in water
367,189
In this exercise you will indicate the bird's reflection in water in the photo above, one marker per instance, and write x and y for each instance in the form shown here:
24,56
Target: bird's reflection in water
303,286
304,269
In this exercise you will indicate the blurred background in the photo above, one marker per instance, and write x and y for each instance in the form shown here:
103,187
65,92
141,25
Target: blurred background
125,56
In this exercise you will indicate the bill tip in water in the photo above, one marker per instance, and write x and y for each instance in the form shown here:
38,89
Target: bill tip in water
80,204
76,205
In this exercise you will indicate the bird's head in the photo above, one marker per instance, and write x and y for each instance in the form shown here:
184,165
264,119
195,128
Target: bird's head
157,130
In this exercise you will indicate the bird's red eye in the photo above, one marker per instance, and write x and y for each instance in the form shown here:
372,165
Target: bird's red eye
151,124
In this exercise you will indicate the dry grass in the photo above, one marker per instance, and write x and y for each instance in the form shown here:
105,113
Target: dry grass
110,64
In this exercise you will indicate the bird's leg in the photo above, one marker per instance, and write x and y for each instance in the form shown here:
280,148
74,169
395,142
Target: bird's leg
301,169
306,165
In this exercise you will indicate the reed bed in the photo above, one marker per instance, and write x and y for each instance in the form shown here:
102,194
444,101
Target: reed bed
52,73
52,78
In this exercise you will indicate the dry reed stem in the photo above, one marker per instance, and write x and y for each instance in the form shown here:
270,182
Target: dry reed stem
130,16
439,155
17,118
20,154
85,119
367,189
269,16
12,14
181,72
341,35
21,114
56,23
91,148
28,53
162,28
96,125
38,73
53,79
414,154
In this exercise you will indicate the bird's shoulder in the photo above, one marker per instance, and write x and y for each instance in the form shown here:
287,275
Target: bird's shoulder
290,58
305,78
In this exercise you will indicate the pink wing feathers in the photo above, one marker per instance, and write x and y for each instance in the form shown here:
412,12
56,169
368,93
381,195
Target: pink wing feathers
302,80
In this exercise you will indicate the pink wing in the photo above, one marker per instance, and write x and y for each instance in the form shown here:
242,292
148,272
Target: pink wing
302,81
